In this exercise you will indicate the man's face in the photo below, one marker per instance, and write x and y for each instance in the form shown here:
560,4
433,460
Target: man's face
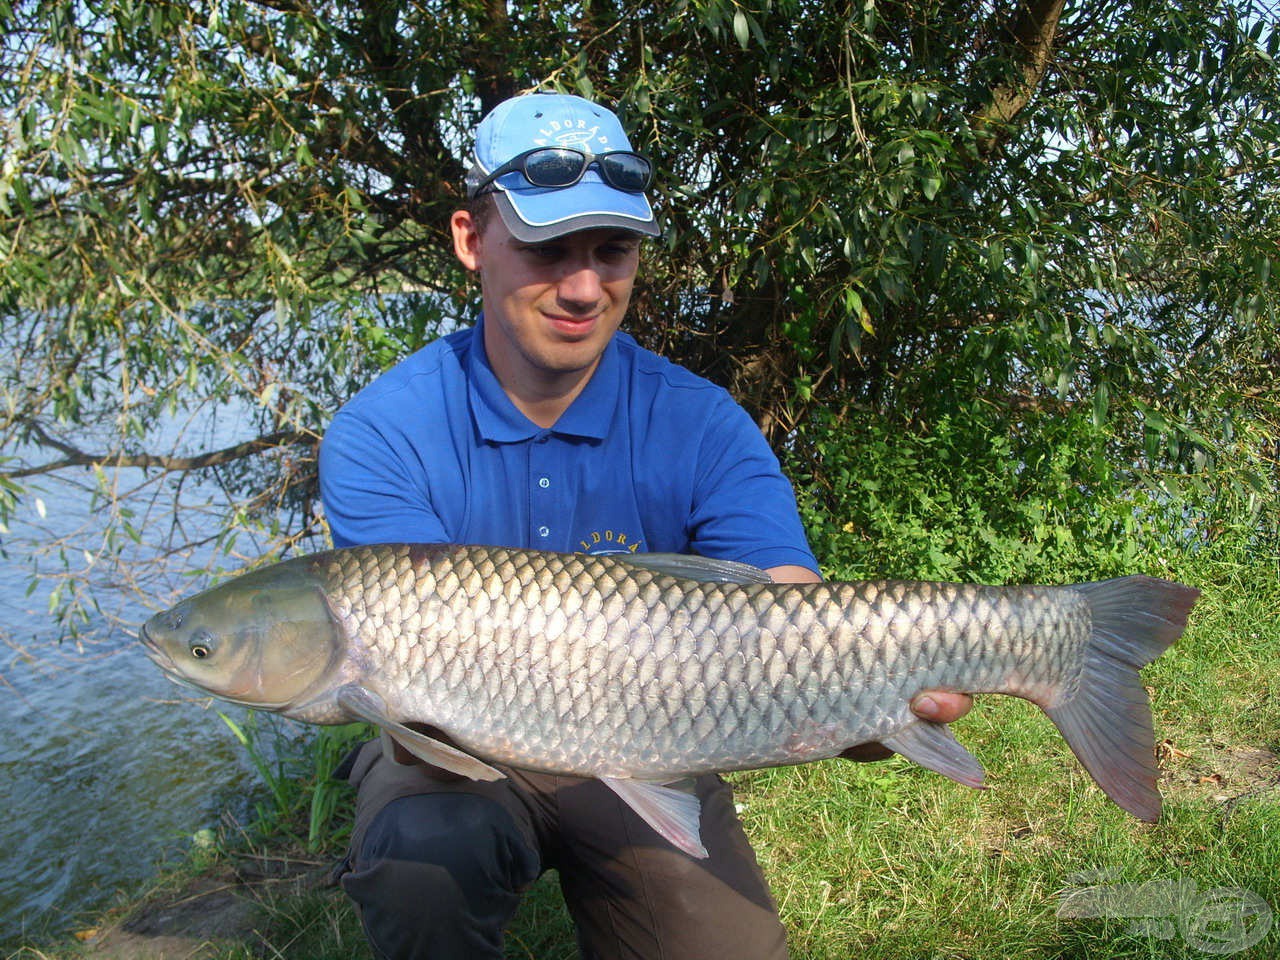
550,308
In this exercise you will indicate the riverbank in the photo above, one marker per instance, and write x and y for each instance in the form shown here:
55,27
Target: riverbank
234,906
274,900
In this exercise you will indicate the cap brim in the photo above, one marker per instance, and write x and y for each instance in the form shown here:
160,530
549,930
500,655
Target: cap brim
532,214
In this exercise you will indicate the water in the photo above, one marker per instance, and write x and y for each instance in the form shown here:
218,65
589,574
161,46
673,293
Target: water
107,768
102,780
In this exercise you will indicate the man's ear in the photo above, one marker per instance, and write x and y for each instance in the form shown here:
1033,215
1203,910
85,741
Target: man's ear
466,239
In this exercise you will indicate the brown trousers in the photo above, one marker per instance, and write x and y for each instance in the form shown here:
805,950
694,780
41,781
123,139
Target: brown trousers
437,867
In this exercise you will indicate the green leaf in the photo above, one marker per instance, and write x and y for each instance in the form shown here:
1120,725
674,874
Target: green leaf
1101,397
995,255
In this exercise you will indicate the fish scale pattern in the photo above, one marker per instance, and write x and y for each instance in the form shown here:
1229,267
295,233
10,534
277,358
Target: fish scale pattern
595,666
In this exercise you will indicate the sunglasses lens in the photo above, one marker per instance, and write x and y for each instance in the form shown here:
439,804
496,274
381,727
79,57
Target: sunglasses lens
626,171
553,168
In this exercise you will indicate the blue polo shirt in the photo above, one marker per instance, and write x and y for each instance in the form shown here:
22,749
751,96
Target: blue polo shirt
648,457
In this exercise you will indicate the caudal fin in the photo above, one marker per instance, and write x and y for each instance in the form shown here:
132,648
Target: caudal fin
1108,722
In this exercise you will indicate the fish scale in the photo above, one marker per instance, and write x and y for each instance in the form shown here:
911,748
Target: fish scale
644,670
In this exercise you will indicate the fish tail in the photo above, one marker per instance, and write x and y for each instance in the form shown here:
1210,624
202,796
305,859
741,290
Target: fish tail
1107,723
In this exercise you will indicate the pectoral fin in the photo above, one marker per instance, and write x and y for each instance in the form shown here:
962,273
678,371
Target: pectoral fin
933,745
369,707
673,813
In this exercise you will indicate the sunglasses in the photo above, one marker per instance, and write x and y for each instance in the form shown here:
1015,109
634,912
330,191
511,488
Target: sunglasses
560,167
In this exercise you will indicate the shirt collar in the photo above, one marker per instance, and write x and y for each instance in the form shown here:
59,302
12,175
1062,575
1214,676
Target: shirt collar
499,421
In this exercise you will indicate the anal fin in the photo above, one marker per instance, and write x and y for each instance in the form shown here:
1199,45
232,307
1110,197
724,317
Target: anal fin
933,745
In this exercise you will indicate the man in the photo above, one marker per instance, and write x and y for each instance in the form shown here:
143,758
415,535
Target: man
544,427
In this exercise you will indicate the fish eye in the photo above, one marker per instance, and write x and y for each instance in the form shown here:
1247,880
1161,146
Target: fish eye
201,644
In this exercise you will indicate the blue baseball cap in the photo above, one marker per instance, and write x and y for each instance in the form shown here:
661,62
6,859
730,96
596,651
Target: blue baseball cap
532,213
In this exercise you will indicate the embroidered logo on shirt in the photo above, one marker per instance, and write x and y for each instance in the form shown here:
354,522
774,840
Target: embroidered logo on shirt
600,542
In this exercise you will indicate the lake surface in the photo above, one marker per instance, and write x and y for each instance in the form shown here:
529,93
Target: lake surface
107,768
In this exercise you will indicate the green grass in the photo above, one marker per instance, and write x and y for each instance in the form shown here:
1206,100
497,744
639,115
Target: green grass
887,861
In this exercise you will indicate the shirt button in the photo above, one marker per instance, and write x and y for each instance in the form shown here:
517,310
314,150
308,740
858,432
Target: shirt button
544,482
544,532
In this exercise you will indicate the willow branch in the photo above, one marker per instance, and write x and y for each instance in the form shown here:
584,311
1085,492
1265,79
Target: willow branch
1030,39
75,457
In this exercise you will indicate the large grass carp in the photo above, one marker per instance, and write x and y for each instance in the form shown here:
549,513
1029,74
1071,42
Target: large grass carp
646,669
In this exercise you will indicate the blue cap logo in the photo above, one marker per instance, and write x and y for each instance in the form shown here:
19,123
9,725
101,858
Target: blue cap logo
575,139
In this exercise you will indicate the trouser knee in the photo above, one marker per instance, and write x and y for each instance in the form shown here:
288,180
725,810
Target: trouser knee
440,875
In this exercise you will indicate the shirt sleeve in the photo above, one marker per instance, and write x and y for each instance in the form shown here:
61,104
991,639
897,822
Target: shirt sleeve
744,507
369,493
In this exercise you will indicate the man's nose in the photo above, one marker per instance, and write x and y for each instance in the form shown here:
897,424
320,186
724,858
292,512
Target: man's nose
581,284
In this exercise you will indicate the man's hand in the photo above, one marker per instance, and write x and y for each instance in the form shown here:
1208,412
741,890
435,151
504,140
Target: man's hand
939,706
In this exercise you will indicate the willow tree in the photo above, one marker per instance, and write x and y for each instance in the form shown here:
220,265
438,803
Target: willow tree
881,219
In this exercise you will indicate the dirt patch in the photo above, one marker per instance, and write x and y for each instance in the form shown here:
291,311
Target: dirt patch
1219,772
208,913
1223,774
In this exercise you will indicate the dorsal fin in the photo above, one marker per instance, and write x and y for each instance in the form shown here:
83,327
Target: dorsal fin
688,566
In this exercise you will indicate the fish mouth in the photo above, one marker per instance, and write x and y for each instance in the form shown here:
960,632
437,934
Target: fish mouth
153,651
168,666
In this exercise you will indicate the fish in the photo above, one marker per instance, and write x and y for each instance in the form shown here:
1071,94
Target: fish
647,669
